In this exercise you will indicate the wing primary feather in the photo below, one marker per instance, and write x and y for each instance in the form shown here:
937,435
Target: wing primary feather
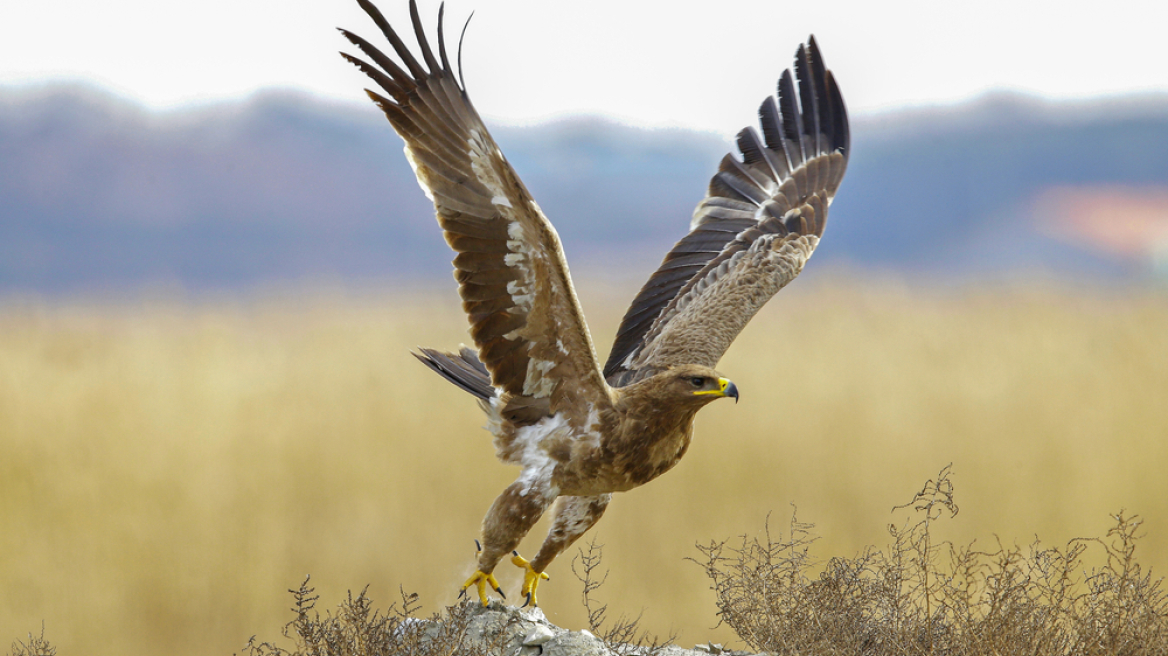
388,65
807,101
772,123
399,46
723,184
423,44
394,113
748,140
384,81
824,104
462,82
748,145
442,38
755,162
841,131
792,126
738,178
772,132
439,122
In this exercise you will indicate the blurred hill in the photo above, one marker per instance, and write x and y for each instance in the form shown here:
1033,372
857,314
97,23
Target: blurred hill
99,193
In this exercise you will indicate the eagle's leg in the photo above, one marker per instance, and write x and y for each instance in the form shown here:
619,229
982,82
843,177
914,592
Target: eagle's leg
573,516
511,516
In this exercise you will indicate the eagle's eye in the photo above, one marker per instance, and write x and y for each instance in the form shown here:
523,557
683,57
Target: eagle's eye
697,381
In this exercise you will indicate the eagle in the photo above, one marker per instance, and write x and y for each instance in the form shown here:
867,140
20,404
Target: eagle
580,432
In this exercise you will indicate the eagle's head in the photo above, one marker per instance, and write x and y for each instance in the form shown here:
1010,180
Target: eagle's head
695,384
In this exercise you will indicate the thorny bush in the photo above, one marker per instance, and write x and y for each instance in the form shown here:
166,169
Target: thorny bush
921,596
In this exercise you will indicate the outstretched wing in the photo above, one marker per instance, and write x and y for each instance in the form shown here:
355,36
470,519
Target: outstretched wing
524,315
759,223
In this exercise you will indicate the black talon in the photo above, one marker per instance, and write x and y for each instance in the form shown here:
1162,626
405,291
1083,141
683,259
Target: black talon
527,602
478,547
500,591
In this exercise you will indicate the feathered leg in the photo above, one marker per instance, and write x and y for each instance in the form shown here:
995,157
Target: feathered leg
511,516
573,517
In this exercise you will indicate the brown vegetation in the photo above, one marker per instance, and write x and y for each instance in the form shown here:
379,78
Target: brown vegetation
926,596
357,629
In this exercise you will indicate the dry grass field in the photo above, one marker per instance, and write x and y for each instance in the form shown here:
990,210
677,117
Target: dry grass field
170,467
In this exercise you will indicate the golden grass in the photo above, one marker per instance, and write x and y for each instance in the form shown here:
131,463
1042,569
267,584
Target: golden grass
171,467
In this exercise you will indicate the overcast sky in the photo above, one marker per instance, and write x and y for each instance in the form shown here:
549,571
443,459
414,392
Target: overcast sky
704,67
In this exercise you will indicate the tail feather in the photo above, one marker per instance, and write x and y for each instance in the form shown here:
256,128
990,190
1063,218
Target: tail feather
464,369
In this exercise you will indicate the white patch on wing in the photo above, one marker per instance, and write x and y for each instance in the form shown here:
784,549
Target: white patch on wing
591,432
521,296
593,418
515,241
494,414
521,291
414,166
537,464
537,384
484,169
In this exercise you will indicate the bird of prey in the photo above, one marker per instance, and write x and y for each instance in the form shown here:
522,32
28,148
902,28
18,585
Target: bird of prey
580,432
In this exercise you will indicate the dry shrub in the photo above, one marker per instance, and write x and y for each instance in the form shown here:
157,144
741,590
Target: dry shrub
623,637
36,646
356,629
923,596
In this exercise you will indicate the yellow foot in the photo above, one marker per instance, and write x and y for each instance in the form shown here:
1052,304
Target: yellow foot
482,580
530,578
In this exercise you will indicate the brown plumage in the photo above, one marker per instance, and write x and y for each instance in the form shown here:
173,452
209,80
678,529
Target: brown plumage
580,432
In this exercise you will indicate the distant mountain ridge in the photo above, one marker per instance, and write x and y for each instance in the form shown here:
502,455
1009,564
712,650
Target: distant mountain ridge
96,192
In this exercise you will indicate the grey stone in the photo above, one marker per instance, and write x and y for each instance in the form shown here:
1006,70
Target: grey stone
510,631
538,636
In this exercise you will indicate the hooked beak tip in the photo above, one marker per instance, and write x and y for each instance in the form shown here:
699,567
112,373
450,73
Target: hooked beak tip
731,391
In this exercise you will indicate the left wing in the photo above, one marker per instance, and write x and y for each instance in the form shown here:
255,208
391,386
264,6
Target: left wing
759,223
513,279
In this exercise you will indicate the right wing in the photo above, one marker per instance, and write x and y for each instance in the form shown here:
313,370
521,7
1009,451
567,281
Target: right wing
750,236
513,279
